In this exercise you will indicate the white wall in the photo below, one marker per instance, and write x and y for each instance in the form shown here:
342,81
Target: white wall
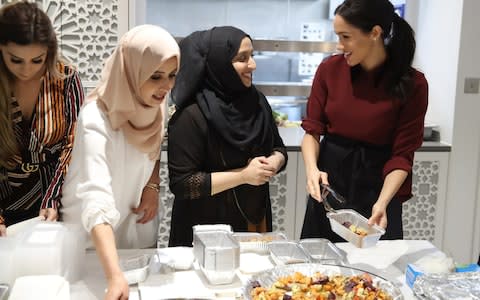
462,231
447,52
438,35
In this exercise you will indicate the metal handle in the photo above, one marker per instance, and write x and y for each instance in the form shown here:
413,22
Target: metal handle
335,195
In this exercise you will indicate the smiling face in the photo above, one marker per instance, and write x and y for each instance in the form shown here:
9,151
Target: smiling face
25,62
154,90
357,46
244,63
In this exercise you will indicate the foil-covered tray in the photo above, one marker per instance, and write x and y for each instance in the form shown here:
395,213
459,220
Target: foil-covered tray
448,286
267,278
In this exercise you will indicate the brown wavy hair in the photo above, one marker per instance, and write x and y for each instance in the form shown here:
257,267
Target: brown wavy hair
22,23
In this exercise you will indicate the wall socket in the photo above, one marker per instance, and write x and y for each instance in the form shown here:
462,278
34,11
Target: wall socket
471,85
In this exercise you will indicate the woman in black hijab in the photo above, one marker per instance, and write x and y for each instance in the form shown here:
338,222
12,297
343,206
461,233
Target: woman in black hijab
223,144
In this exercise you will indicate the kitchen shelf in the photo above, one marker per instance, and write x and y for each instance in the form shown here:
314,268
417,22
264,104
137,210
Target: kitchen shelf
294,46
284,88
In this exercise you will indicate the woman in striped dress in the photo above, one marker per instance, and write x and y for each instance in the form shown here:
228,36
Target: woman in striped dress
40,97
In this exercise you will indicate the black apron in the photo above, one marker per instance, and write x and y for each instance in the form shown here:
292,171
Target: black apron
355,171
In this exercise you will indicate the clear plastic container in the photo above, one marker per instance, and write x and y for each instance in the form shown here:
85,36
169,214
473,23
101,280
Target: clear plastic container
287,252
338,221
50,248
178,258
7,251
322,251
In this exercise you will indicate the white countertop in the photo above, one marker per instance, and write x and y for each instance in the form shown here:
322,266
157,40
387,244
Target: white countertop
93,285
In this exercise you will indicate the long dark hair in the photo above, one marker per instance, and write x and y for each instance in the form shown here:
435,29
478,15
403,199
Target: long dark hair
22,23
398,37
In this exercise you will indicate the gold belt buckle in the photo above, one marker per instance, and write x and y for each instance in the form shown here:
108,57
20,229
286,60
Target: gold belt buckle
29,168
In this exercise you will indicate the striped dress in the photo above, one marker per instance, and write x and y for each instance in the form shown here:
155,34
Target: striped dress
45,144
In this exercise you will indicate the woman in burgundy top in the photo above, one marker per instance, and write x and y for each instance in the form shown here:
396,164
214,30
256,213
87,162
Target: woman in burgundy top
369,105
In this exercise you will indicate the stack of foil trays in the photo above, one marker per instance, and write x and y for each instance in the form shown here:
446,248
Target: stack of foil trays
465,285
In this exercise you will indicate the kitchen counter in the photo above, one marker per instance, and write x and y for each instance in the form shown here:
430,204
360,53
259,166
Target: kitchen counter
93,284
292,137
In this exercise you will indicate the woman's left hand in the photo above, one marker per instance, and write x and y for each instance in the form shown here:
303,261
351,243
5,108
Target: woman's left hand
379,215
148,205
276,161
3,230
49,214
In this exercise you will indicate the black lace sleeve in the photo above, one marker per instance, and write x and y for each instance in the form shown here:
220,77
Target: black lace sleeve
187,152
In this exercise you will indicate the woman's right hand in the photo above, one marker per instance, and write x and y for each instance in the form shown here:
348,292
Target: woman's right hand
314,178
117,288
258,171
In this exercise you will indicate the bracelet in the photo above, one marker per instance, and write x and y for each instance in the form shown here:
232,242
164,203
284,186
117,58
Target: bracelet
153,186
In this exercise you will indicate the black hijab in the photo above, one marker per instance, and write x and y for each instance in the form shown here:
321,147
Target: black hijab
240,114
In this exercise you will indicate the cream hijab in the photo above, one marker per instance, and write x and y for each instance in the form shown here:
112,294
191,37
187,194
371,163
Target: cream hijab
140,53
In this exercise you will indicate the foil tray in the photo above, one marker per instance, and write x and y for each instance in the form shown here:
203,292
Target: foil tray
323,251
136,268
340,216
257,242
448,286
267,278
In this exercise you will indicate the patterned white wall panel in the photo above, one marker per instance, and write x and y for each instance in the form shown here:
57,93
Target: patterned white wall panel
419,212
166,203
278,196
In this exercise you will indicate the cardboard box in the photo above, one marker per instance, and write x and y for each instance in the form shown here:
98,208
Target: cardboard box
411,274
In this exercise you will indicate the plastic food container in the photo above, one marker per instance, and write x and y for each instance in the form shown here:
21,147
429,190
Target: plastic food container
287,252
257,242
50,248
218,255
179,258
338,219
135,268
322,251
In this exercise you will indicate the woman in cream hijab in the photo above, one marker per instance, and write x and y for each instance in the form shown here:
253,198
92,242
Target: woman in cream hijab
112,185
